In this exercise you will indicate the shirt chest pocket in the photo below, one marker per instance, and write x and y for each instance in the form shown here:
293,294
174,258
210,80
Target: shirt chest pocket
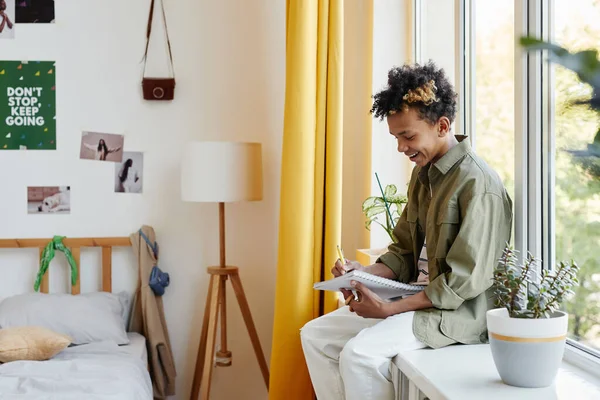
412,217
448,226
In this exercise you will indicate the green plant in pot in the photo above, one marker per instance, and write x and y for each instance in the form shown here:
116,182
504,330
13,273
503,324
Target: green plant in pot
527,331
390,204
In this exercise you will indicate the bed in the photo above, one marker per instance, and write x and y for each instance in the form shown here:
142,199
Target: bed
99,364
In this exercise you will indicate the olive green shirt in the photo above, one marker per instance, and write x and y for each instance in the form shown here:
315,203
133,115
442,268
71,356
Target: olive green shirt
462,207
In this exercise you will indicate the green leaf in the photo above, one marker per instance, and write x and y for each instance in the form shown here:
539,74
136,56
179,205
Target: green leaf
397,200
584,63
374,211
389,191
587,67
369,202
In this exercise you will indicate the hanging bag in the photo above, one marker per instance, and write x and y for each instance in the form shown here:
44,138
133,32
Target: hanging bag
158,88
159,280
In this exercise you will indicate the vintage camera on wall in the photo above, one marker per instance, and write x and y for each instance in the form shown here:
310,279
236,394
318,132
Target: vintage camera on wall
158,88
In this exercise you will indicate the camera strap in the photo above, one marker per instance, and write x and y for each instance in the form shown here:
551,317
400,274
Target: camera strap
149,30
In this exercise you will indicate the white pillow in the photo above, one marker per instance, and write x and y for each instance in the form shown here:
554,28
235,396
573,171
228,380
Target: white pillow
86,318
125,299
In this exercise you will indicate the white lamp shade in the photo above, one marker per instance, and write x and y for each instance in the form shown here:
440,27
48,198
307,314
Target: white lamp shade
221,172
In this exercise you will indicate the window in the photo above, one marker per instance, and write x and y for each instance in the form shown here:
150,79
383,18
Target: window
494,88
524,127
576,194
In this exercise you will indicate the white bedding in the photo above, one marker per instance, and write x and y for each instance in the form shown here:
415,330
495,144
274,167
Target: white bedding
95,371
136,346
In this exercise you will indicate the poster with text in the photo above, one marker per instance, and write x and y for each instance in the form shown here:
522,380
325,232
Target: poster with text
27,105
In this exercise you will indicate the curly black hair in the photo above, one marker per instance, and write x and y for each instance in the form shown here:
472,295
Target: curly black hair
410,77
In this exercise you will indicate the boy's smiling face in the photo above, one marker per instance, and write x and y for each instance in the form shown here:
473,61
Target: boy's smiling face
417,138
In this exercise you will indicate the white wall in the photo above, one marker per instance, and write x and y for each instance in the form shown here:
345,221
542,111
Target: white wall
368,146
389,50
230,70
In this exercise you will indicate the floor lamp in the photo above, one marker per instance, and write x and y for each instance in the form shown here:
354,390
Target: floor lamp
221,172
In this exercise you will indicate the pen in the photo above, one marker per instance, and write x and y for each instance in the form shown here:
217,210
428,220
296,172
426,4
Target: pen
349,299
341,255
354,296
343,261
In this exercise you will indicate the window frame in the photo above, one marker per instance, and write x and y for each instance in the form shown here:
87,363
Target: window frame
533,205
535,152
575,352
465,67
415,12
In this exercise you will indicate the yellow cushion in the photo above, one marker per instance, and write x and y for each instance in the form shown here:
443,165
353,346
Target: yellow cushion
30,343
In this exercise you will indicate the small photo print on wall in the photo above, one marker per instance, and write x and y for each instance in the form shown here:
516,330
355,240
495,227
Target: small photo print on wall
7,19
129,174
48,200
101,147
27,105
34,11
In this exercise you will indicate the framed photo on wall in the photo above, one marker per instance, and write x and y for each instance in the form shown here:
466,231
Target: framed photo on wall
129,174
101,146
34,11
7,19
48,200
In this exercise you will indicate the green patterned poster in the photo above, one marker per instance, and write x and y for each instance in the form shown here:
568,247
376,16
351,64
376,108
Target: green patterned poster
27,105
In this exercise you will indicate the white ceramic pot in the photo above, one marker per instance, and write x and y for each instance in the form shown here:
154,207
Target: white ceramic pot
527,352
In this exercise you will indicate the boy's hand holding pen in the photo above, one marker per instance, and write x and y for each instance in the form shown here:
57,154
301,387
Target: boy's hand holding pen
342,265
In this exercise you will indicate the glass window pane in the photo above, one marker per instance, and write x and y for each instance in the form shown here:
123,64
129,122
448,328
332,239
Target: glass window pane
577,191
494,90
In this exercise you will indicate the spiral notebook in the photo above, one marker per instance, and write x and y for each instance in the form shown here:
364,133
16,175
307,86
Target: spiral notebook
383,287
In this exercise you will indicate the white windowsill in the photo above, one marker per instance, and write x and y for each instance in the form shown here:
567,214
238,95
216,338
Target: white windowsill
582,360
469,373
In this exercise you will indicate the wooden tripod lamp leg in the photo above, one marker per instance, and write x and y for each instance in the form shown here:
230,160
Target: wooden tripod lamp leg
206,350
202,345
241,297
223,355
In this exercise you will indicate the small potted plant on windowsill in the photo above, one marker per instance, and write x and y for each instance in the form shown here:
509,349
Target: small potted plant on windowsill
528,332
390,204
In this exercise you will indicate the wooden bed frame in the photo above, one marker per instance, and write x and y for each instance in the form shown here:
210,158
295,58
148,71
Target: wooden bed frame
75,245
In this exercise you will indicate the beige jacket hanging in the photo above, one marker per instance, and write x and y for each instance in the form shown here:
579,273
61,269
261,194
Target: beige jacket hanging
148,319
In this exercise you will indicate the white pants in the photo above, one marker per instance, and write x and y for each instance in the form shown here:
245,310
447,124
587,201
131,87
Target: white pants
349,357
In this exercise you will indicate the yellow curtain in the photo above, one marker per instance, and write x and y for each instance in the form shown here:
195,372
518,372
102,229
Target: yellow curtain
311,185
